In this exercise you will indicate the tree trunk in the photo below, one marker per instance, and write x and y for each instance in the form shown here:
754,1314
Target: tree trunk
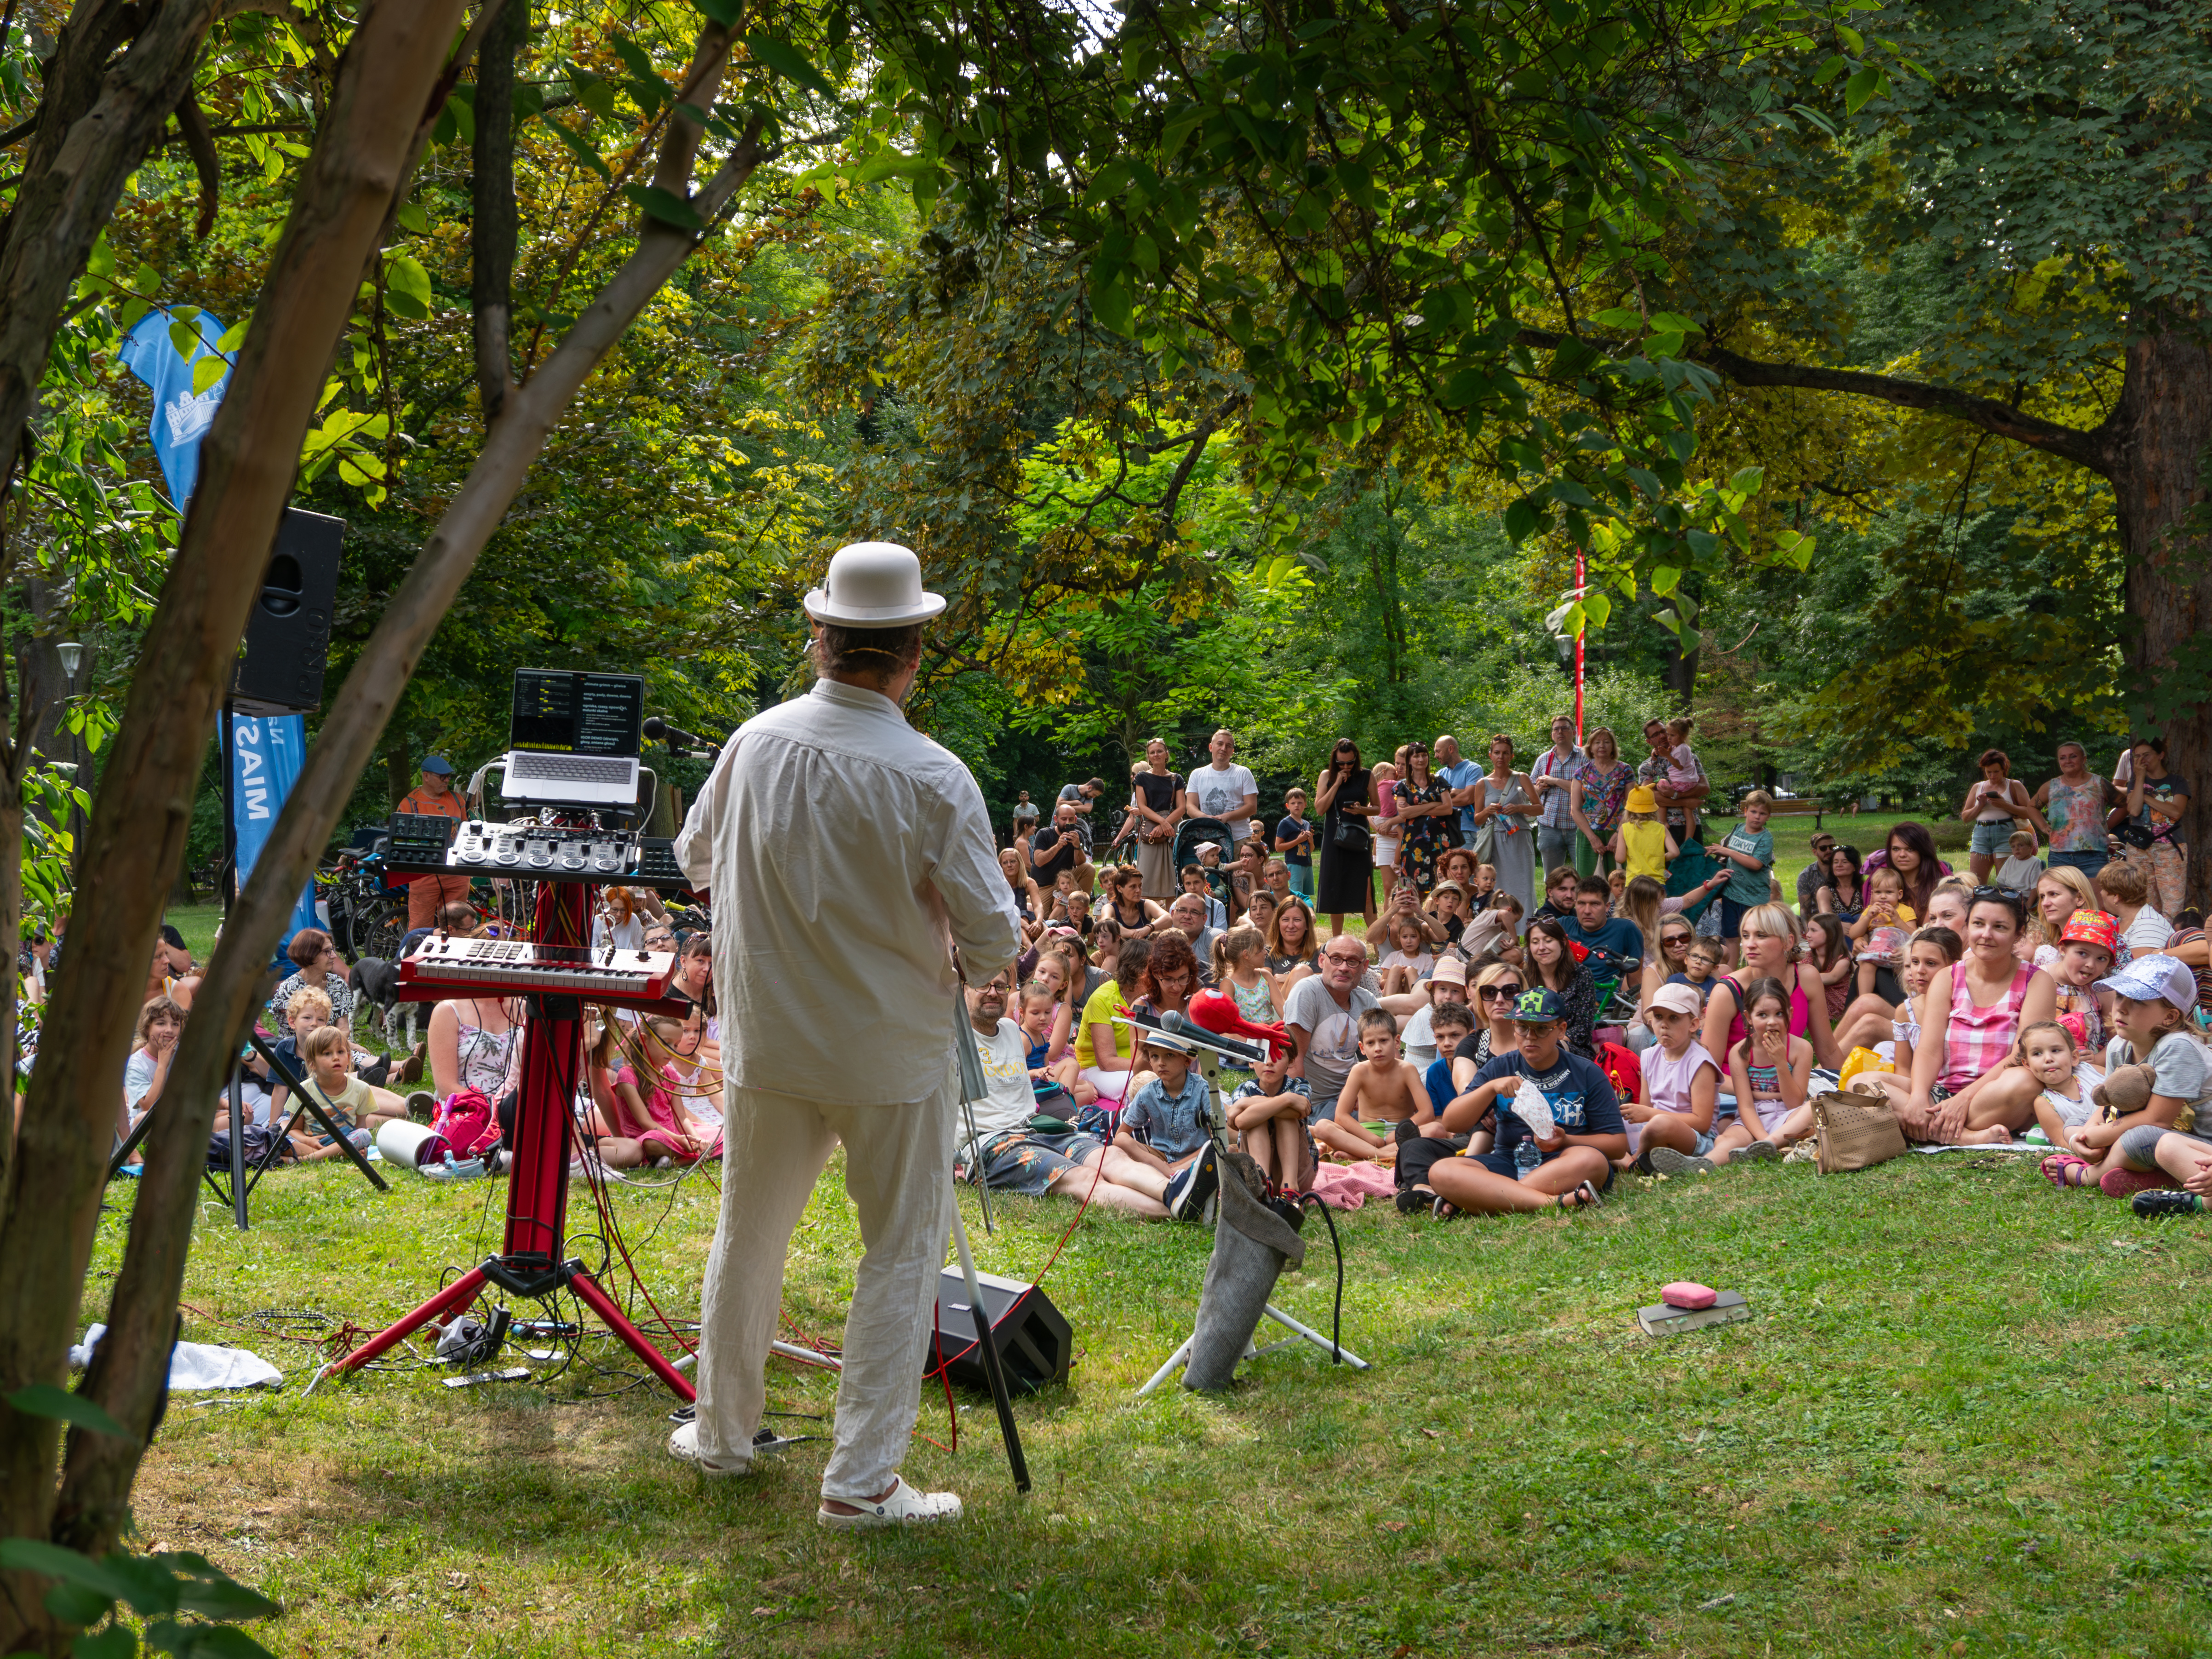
143,810
96,123
2162,444
131,1361
492,223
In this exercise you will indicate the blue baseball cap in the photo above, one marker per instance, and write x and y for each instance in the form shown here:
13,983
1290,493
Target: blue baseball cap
2154,978
1539,1004
438,764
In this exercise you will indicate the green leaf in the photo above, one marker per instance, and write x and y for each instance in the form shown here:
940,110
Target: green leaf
116,1642
788,61
640,63
1829,70
1663,579
234,335
1748,480
1619,317
410,216
1522,521
406,287
728,13
1596,607
78,1604
1863,86
206,372
45,1400
666,206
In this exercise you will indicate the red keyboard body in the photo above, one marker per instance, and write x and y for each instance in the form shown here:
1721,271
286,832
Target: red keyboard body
442,968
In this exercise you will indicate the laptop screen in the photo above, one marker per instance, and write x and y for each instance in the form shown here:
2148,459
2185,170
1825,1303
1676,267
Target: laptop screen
559,711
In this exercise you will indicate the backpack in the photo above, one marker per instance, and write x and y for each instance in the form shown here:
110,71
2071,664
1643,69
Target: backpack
1622,1069
466,1122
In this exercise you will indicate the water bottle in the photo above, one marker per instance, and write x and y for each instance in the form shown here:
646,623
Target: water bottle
1527,1160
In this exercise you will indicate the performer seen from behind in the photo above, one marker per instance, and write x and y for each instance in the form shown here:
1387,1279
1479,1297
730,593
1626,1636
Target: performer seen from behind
828,817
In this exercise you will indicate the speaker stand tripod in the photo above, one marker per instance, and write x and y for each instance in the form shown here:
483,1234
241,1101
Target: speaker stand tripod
1297,1333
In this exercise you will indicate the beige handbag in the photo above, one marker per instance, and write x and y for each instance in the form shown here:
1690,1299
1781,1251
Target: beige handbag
1855,1131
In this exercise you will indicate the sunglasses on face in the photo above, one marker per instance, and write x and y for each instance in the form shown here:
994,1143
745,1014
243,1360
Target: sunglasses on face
1493,993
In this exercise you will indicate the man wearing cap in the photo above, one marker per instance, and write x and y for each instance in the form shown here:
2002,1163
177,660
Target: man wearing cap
1574,1161
434,798
830,818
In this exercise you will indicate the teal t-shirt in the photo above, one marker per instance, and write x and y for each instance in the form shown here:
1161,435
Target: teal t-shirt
1750,886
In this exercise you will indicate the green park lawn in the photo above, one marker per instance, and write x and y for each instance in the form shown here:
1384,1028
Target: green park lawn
1971,1416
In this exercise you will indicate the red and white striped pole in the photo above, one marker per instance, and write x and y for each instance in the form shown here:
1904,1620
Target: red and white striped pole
1580,627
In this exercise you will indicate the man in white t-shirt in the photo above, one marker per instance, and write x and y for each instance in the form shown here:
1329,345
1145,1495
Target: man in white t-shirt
1223,790
1322,1015
1015,1159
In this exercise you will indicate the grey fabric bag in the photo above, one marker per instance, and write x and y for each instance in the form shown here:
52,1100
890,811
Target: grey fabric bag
1251,1245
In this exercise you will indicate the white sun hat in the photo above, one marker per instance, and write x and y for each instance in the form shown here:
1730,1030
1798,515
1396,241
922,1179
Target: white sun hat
873,585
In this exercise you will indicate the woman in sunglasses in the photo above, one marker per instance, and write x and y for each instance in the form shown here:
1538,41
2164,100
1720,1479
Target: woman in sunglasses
1495,988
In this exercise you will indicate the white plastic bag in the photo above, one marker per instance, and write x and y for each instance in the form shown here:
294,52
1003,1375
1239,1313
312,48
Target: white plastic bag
1530,1105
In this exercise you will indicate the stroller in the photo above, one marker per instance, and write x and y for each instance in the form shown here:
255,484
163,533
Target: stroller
1189,835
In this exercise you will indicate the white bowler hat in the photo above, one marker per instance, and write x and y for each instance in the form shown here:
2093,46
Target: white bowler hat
873,585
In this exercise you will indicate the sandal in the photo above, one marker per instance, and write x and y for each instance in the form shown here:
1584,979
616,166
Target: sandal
1443,1210
2064,1170
1585,1197
1415,1199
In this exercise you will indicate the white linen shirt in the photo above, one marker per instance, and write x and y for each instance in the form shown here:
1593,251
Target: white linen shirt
844,851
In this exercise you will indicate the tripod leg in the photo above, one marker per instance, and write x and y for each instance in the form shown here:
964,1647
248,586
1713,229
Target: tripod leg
974,1151
588,1293
992,1366
238,1188
459,1294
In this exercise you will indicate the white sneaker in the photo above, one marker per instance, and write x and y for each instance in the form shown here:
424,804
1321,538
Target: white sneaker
905,1504
684,1443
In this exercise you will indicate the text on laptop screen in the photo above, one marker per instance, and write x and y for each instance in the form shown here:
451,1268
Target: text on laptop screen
559,711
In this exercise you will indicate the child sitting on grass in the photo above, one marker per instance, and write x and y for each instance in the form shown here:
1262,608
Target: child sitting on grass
2157,1078
352,1105
1059,1085
1829,947
1383,1088
1164,1124
1408,965
2047,1050
2086,945
1670,1124
1484,891
1883,927
1701,965
1769,1071
1451,1074
1268,1113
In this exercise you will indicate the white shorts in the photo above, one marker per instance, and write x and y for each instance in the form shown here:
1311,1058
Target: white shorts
1386,852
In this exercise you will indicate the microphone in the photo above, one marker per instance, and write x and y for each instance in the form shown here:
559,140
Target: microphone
661,731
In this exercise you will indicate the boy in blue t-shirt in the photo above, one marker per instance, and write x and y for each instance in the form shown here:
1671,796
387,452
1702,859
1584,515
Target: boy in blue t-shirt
1749,854
1165,1125
1573,1162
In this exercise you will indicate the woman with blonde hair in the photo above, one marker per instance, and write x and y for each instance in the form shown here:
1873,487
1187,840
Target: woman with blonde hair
1771,950
2060,891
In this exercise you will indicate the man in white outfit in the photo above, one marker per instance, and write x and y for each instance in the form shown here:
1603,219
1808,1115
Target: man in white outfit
830,818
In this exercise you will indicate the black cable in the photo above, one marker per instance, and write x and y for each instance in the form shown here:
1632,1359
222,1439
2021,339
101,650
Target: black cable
1336,1319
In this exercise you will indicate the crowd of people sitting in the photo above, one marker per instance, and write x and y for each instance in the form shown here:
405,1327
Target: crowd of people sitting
1559,973
1551,975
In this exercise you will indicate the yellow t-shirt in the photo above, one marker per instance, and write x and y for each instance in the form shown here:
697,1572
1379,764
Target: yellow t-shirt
1646,845
1098,1011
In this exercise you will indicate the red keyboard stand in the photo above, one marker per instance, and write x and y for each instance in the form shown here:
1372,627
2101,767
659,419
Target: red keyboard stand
529,1263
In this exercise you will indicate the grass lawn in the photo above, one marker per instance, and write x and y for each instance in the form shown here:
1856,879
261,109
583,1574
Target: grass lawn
1969,1417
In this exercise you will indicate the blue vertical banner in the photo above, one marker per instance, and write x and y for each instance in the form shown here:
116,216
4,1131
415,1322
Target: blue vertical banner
266,753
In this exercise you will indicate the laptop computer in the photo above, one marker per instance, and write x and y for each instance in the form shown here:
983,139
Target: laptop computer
573,738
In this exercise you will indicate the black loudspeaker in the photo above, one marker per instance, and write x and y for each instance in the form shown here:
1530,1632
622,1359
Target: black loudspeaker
288,637
1034,1344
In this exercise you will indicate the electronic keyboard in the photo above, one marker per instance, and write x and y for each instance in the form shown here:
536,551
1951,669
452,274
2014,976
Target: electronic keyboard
444,967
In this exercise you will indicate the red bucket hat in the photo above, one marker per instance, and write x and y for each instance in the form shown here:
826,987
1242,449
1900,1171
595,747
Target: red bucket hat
2092,927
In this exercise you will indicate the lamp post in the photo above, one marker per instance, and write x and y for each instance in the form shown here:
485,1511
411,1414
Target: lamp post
71,654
